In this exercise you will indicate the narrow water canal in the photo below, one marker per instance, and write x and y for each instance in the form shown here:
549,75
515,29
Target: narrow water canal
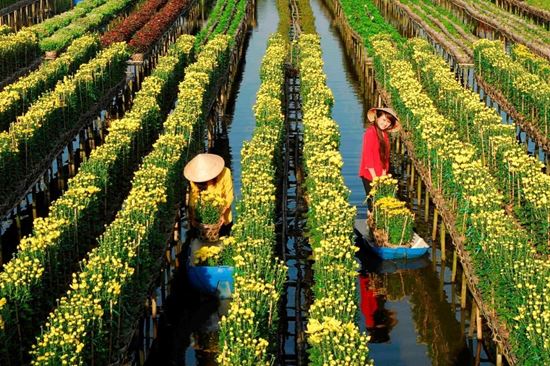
188,327
410,308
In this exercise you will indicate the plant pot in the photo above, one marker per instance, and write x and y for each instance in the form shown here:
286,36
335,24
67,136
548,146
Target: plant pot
209,232
138,57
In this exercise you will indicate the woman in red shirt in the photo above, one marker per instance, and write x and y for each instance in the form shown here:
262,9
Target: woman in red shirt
375,157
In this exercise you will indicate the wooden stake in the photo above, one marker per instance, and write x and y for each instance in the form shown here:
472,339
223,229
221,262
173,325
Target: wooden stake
412,178
478,322
455,260
419,192
472,321
499,355
426,205
463,292
434,226
442,241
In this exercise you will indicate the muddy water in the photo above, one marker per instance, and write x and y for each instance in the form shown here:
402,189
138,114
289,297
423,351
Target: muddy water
410,309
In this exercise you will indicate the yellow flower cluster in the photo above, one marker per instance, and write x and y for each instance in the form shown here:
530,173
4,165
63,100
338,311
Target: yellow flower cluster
207,252
519,175
260,279
17,50
395,219
526,91
337,343
332,333
533,63
502,254
57,235
16,97
130,241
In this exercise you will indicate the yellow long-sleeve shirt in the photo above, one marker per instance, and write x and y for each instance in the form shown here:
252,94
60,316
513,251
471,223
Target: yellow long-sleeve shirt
222,187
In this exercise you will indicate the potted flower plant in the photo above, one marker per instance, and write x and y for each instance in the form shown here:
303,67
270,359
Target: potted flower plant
208,216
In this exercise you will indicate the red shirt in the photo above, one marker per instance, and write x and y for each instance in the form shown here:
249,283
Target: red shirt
369,305
370,157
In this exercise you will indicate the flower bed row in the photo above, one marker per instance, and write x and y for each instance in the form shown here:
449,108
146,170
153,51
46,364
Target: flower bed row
37,132
38,270
332,331
17,50
51,25
213,18
85,326
529,94
533,63
519,175
92,21
246,332
135,21
15,98
512,280
229,15
157,25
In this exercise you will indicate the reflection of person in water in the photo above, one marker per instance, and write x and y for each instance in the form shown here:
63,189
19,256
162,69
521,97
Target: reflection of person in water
379,321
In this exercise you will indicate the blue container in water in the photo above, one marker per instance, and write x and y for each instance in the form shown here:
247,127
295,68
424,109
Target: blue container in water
212,280
76,2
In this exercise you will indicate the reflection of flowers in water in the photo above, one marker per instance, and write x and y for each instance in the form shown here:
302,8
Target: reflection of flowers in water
205,341
378,320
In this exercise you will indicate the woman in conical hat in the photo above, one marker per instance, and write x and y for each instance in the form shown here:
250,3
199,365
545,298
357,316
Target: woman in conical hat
207,172
375,156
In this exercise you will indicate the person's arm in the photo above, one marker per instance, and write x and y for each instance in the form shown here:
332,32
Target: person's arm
193,197
227,192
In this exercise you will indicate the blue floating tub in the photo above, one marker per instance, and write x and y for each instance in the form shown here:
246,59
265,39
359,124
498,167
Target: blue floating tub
211,280
418,249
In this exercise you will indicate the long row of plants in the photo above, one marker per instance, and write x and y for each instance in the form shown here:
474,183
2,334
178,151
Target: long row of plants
157,25
17,97
124,31
38,131
533,63
252,321
513,281
527,92
42,263
17,50
519,175
93,20
105,295
59,5
229,18
332,332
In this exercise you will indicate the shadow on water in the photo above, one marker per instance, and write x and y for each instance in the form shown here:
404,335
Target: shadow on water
188,328
411,309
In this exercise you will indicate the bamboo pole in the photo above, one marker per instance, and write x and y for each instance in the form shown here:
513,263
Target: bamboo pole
434,226
455,264
427,205
473,319
478,323
499,355
419,192
463,291
442,241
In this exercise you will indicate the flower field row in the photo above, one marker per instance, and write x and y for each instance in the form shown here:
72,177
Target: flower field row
214,17
519,175
246,332
157,25
92,21
529,94
130,25
533,63
332,332
55,112
17,50
108,291
51,25
513,281
228,18
15,98
37,271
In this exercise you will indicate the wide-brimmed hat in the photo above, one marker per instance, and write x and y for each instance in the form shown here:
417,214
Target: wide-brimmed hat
371,114
203,167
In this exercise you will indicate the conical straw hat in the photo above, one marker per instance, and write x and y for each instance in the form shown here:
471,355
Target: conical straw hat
203,167
371,114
